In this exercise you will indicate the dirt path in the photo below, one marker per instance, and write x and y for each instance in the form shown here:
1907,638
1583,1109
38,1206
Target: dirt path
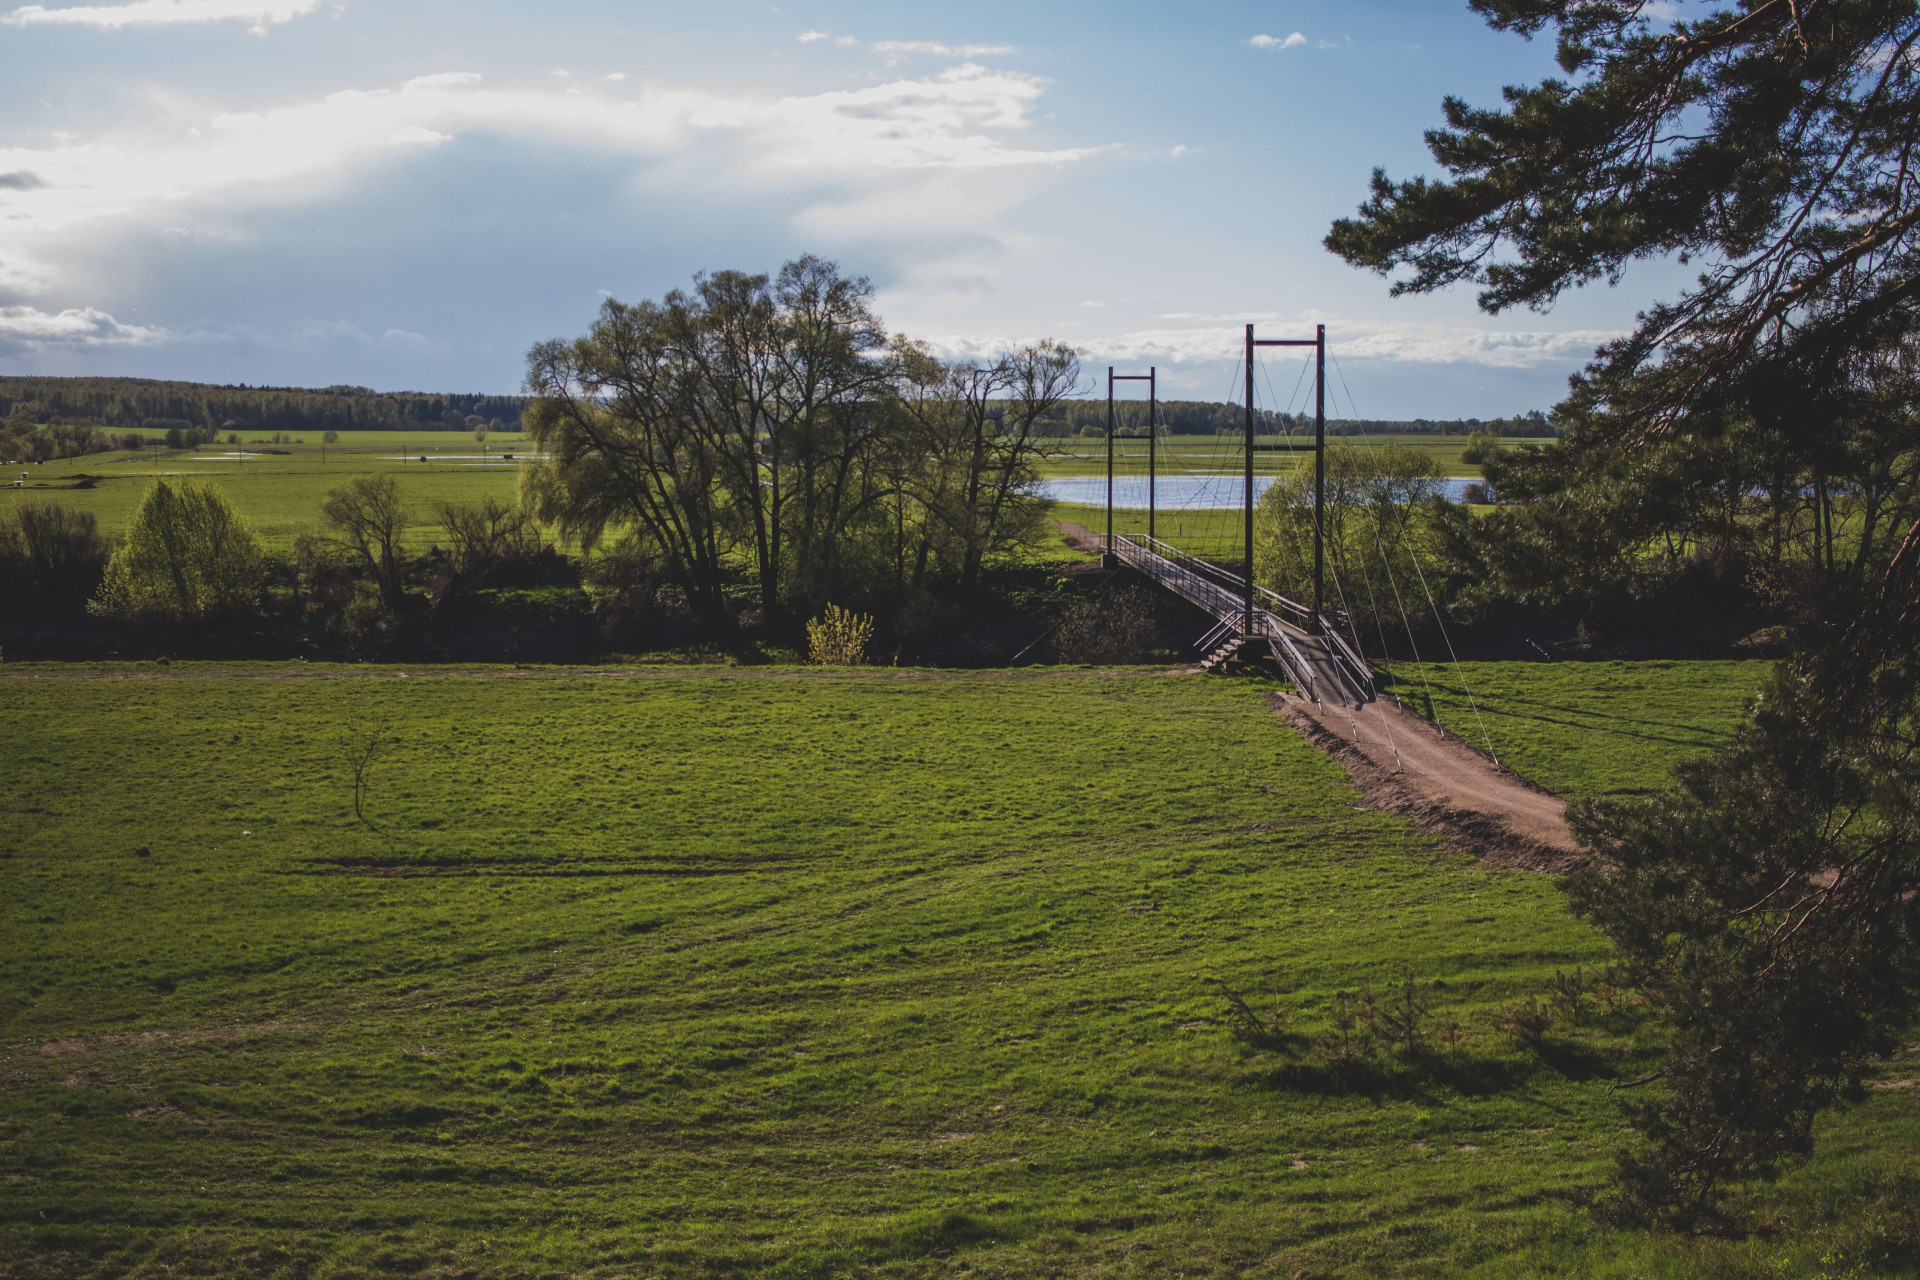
1079,537
1406,765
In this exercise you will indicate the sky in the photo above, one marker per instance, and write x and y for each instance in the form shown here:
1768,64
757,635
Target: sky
407,195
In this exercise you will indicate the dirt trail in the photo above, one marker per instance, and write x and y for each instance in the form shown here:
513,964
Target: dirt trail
1080,538
1406,765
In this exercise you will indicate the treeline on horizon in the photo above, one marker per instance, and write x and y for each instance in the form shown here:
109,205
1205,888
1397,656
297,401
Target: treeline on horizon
1088,418
156,406
147,404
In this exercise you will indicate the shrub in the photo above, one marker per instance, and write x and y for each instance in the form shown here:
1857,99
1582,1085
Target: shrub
1481,445
1111,626
1525,1022
483,535
47,549
187,556
839,638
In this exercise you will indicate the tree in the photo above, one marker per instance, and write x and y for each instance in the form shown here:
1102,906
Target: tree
361,750
766,424
369,522
1379,523
737,414
482,535
1771,145
976,430
1766,908
187,556
621,454
50,549
1771,416
327,438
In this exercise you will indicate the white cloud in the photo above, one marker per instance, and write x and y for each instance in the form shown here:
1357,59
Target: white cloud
24,330
1397,343
906,48
616,76
1264,41
414,135
938,50
406,340
443,80
333,332
1495,348
867,155
145,13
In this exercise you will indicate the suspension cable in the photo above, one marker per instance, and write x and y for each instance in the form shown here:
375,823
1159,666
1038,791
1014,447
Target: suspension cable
1432,604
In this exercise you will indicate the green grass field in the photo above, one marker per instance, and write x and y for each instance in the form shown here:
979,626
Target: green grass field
710,971
1587,729
1217,535
280,494
1175,455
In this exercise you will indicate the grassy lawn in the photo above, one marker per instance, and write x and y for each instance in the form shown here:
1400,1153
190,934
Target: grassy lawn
280,494
1587,729
706,971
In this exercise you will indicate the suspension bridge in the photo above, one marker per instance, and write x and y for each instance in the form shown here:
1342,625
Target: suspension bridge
1402,761
1306,646
1250,621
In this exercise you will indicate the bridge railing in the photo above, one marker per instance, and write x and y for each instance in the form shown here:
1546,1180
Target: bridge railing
1355,666
1292,610
1222,593
1289,654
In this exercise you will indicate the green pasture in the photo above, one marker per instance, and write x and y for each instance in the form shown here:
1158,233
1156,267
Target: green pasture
1586,729
1211,534
761,971
1201,455
280,493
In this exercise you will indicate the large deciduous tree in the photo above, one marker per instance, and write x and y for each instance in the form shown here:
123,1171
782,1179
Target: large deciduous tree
368,520
1767,422
187,557
973,431
767,424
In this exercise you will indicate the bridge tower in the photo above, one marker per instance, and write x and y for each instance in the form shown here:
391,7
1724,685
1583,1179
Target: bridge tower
1319,344
1151,378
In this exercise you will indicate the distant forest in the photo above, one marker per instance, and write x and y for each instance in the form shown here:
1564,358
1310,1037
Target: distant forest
124,404
192,412
1206,418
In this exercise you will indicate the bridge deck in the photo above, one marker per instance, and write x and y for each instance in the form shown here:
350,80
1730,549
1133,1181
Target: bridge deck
1309,650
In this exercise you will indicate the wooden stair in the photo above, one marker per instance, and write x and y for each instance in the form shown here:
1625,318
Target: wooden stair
1227,651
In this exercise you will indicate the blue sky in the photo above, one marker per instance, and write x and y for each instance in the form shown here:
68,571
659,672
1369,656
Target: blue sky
408,194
